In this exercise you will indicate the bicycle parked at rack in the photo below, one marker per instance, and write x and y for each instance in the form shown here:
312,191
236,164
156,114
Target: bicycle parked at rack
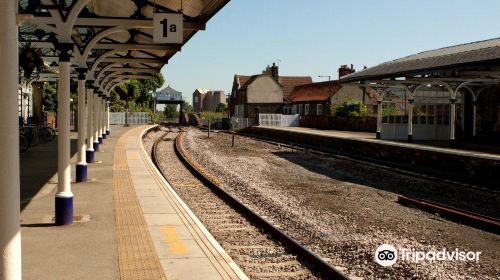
34,134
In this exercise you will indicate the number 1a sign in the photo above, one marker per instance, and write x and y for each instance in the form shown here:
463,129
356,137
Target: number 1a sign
168,28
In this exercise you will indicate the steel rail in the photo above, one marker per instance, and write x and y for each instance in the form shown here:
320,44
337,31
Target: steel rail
465,217
307,255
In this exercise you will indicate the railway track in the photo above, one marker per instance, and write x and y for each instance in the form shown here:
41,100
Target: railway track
260,249
472,219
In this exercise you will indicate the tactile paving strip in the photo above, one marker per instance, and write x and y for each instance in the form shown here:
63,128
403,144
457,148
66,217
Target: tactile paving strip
136,254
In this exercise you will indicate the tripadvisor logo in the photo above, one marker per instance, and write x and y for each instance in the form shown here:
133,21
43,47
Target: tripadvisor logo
387,255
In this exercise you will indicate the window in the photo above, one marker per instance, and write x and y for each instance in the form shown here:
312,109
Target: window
319,109
301,109
306,108
196,99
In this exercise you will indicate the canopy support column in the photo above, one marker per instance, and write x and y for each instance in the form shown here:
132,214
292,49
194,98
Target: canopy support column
64,196
10,233
107,116
103,116
96,121
90,125
81,166
410,120
379,118
99,118
452,120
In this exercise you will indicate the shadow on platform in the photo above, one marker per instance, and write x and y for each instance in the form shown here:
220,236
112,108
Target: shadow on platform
38,165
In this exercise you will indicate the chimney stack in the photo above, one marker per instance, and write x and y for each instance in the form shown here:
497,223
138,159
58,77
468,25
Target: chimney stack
345,70
274,71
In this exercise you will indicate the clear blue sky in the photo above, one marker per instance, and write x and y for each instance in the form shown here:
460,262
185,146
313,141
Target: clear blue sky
315,37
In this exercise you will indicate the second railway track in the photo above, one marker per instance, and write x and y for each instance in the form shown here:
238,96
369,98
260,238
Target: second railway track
261,250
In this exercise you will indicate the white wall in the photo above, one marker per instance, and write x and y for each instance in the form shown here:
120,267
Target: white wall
264,90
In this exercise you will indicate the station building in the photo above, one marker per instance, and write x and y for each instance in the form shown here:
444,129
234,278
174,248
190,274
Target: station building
263,93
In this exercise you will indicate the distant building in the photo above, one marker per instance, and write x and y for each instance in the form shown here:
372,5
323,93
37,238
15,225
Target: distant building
198,98
262,93
316,98
168,94
207,100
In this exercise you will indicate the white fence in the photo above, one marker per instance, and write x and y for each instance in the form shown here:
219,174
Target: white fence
132,118
278,120
240,123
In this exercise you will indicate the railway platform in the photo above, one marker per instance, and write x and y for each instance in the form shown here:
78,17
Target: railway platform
470,166
128,222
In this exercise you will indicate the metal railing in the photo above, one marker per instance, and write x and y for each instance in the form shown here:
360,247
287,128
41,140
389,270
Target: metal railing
132,118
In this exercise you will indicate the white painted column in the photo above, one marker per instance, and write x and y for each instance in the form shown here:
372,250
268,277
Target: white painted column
379,118
99,115
474,116
81,166
96,121
103,121
64,196
107,119
452,119
90,125
410,120
10,233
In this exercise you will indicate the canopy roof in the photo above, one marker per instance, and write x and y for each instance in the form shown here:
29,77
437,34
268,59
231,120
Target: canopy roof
472,60
113,39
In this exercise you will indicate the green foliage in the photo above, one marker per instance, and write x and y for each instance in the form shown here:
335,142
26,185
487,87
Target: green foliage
221,107
188,108
137,95
349,108
49,97
171,111
157,117
389,110
212,116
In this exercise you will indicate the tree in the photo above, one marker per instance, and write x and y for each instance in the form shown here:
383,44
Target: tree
136,94
188,108
171,111
49,97
221,107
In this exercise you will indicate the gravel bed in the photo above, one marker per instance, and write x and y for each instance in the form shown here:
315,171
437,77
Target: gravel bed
256,253
343,210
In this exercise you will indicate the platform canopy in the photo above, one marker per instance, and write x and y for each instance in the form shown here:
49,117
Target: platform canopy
475,63
113,39
471,69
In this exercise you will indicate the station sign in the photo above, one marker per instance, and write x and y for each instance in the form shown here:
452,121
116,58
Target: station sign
168,28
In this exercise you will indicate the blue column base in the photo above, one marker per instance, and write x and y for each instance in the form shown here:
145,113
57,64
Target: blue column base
64,211
107,132
104,136
410,138
90,156
96,146
378,135
99,139
81,173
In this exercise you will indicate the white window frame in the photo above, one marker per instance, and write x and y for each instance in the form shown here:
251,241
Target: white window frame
196,99
306,109
319,109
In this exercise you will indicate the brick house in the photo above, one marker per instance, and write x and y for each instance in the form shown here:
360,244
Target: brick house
263,93
316,98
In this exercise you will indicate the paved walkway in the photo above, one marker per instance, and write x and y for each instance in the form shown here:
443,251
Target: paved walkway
129,223
370,137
